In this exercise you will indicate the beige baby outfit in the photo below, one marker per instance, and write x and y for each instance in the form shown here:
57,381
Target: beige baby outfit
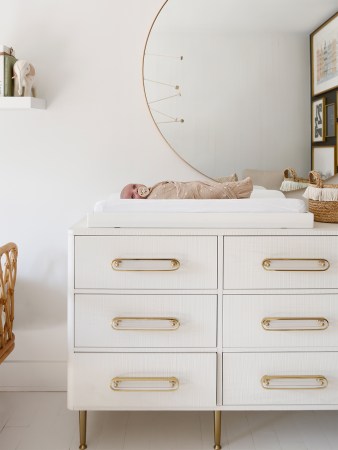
198,190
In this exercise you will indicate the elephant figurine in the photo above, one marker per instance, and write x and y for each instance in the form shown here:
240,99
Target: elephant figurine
24,74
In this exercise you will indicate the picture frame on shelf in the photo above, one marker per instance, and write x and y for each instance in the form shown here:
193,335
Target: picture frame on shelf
330,120
324,68
324,161
318,120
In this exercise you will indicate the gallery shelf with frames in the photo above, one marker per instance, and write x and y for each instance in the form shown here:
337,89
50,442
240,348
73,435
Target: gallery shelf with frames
324,114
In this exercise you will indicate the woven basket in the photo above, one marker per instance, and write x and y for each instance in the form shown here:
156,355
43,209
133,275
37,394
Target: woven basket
292,182
324,211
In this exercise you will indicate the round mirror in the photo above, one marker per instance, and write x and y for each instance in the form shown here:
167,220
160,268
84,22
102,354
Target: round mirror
228,82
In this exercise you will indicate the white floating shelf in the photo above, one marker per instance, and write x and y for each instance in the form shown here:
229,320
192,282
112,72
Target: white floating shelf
22,103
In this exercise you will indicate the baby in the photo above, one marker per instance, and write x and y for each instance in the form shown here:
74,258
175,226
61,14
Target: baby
189,190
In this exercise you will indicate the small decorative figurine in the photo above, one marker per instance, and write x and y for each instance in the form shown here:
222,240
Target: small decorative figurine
24,74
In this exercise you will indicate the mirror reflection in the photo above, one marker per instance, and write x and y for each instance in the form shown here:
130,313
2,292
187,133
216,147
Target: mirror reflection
228,82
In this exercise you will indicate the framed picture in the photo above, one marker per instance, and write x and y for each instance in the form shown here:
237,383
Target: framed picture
324,62
318,120
324,161
330,120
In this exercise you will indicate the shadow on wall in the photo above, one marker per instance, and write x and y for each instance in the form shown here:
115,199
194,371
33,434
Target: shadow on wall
38,305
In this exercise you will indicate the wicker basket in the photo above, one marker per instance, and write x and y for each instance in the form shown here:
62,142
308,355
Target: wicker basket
323,210
292,182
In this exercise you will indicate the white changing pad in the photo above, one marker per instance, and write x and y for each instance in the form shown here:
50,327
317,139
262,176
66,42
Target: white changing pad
247,205
266,193
234,213
114,204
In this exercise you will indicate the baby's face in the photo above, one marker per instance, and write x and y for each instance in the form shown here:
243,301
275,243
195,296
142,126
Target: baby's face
131,191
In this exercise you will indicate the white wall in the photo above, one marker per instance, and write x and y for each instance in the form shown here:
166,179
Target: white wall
95,136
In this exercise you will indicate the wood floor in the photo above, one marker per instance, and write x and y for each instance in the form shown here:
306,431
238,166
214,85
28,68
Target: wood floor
41,421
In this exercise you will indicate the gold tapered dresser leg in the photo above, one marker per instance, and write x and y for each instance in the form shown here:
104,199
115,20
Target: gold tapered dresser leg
83,427
217,429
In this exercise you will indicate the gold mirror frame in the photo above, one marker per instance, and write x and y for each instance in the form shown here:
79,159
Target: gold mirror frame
164,136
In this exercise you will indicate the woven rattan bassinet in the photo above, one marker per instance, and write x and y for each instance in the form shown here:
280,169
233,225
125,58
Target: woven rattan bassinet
8,264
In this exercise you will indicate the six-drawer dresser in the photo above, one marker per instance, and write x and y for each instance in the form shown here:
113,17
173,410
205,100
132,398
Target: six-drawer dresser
202,319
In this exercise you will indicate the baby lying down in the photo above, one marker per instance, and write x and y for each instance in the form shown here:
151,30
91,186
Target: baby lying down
189,190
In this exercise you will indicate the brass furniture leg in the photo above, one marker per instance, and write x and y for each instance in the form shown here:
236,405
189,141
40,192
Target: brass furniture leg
217,429
83,426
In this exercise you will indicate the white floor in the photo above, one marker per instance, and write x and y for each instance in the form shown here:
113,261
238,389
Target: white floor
41,421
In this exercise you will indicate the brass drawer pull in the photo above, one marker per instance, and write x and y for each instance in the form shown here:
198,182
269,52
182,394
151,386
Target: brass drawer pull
145,323
294,382
145,264
144,384
296,264
292,323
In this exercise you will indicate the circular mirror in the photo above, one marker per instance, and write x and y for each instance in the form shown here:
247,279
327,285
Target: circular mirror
227,82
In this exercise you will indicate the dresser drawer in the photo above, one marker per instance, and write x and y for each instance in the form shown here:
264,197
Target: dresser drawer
146,262
305,378
142,381
145,320
280,321
280,262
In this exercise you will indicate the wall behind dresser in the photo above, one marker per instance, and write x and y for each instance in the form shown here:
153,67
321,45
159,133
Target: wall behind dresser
95,136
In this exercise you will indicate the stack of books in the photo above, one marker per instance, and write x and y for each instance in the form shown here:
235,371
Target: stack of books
7,61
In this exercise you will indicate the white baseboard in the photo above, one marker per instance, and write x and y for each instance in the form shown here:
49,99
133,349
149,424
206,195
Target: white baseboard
33,376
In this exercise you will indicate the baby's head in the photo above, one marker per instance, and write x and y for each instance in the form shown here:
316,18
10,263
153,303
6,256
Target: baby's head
135,191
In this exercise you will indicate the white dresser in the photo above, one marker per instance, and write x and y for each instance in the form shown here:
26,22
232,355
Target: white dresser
202,319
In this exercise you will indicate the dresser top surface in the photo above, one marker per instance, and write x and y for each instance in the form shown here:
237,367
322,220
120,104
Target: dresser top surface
319,229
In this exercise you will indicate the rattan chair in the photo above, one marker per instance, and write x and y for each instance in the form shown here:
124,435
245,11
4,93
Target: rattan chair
8,262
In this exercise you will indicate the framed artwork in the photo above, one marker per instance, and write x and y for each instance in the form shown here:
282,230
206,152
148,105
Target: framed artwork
330,120
324,161
324,61
318,120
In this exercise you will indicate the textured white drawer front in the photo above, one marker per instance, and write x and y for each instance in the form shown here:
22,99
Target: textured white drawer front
197,256
244,256
90,377
243,316
135,322
242,374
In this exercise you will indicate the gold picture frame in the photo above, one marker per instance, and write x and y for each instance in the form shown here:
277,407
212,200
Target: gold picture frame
324,67
324,160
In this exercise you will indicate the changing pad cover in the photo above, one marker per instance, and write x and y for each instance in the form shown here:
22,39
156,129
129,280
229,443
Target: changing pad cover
251,205
265,209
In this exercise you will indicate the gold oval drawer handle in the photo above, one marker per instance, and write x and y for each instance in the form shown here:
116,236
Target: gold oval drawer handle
117,264
145,384
320,323
271,382
320,264
117,323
